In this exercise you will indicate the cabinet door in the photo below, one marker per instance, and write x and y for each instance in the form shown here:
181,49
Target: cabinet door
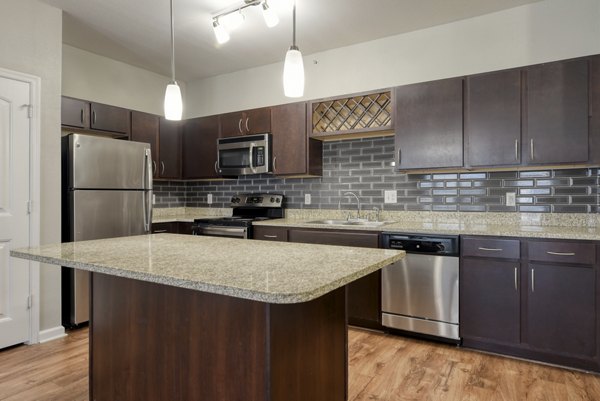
257,121
557,112
169,165
110,118
561,309
232,124
289,139
199,150
493,119
145,128
364,294
184,227
265,233
429,125
489,300
75,113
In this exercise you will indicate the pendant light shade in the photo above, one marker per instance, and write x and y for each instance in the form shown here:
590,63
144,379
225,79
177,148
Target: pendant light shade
220,32
271,19
293,73
173,104
293,68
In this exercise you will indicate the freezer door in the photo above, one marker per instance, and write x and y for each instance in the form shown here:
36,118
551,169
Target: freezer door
104,163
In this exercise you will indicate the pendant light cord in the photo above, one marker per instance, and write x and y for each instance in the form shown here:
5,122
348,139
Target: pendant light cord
172,44
294,25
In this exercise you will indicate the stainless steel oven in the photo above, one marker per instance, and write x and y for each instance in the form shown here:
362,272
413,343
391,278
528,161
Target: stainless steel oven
420,292
241,155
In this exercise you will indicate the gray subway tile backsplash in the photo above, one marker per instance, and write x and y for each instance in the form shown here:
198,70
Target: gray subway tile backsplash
364,166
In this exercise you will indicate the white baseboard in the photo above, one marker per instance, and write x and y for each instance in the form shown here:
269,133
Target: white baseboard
52,334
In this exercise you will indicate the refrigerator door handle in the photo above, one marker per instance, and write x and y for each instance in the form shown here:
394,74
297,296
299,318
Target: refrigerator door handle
147,190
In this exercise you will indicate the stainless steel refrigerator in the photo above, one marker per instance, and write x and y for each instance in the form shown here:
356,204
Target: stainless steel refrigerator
106,192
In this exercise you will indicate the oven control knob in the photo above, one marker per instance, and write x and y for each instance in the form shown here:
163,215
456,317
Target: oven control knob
235,200
272,200
278,200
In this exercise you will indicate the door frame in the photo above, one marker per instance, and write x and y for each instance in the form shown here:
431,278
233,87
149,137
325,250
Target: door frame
34,193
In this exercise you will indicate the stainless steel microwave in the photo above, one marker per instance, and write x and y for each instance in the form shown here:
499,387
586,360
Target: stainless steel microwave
248,154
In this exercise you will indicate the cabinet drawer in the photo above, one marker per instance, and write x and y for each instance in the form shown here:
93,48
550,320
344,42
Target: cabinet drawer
491,248
166,227
562,252
335,237
270,233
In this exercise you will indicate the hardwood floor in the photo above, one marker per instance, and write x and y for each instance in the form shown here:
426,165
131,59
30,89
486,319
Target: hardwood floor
382,367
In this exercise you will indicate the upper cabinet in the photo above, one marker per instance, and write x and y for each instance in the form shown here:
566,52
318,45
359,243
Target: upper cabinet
199,147
362,114
145,128
493,119
429,125
95,117
169,145
293,152
255,121
557,112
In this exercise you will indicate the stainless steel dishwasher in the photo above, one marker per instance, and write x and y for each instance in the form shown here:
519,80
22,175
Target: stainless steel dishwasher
420,292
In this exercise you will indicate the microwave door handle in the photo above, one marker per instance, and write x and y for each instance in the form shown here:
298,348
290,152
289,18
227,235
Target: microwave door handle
252,158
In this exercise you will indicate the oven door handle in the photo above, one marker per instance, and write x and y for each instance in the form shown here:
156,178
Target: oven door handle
238,232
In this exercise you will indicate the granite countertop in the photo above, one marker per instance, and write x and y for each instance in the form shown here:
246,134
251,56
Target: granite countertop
186,214
273,272
455,228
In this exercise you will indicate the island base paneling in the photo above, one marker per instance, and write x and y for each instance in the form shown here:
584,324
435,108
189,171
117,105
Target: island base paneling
156,342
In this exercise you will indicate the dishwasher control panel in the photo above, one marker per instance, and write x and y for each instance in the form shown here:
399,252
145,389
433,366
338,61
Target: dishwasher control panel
418,243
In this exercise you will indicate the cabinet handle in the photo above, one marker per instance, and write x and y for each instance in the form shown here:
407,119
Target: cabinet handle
269,236
159,231
94,116
162,167
240,126
81,116
532,279
516,149
274,163
531,150
490,249
216,171
247,128
561,253
399,156
153,167
516,281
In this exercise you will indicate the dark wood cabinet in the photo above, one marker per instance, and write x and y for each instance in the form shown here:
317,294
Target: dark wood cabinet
364,294
255,121
165,227
429,125
110,118
265,233
540,303
557,112
294,153
493,119
145,128
199,150
169,155
75,113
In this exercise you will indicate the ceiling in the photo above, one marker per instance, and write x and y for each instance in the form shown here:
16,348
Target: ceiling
137,31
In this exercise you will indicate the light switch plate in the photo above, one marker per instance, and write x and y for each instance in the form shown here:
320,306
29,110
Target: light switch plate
390,197
307,199
209,199
511,199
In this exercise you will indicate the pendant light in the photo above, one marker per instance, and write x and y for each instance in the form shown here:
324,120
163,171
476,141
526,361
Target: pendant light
173,103
293,68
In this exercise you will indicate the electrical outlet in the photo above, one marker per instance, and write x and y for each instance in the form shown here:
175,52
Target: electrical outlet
307,199
390,197
511,199
153,199
209,199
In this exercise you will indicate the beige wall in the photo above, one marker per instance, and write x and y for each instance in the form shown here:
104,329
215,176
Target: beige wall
31,35
92,77
539,32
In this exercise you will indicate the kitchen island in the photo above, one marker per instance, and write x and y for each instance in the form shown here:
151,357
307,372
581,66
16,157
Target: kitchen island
176,317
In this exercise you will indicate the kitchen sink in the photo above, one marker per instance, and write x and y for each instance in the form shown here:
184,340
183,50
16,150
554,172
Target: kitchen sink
363,223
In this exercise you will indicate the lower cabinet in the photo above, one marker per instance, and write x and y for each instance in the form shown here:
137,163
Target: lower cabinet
364,295
540,303
173,227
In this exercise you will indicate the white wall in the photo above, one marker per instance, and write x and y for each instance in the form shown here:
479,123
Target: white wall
540,32
92,77
31,35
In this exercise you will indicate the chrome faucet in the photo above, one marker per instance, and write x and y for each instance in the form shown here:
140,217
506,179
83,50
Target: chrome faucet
357,203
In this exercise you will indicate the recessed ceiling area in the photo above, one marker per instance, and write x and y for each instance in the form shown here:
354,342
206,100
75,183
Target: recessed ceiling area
137,31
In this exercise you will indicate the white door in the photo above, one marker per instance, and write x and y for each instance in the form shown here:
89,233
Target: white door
14,218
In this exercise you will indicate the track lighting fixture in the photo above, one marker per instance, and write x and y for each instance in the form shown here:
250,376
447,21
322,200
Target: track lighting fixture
233,18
